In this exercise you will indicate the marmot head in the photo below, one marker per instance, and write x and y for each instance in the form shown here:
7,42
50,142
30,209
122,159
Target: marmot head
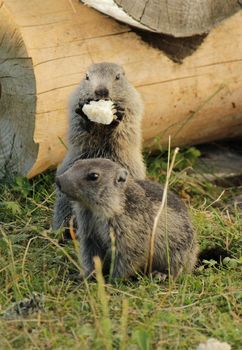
98,184
107,81
104,81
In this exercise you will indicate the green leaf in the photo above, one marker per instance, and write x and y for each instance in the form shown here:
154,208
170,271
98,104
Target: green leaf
143,339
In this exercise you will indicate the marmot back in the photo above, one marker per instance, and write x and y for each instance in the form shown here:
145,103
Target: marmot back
121,141
128,207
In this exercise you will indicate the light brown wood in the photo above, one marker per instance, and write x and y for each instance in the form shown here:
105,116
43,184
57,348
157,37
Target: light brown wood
179,18
196,101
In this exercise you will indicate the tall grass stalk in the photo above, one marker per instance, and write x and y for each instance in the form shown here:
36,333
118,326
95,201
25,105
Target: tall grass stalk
79,268
12,267
156,220
105,322
124,325
113,253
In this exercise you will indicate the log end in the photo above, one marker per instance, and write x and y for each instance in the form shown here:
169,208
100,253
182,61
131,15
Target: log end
17,101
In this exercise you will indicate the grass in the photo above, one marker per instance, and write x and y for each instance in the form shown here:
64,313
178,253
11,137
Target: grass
143,314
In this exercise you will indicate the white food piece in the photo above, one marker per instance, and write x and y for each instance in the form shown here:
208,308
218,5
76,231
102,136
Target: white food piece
213,344
100,111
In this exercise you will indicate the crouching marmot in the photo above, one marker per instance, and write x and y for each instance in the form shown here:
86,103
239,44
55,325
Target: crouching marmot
114,201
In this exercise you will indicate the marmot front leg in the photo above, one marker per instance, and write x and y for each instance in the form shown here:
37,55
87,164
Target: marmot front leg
122,267
89,250
85,122
119,113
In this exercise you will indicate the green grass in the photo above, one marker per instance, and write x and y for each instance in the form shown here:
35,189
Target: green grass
143,314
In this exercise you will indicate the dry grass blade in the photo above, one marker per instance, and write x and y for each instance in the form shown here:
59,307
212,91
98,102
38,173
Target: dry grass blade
156,220
105,322
12,267
45,236
24,258
73,235
113,252
79,268
216,200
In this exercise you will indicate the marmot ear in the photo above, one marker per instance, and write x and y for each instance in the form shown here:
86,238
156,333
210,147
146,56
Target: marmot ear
122,176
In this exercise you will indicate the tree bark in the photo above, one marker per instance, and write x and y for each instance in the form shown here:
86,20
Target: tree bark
179,18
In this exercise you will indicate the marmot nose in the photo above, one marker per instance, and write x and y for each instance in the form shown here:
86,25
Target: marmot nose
102,92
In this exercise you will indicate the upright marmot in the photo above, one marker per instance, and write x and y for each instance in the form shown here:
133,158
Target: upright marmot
119,141
113,201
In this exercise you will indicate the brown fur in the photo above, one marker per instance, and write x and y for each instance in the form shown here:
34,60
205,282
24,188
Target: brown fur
120,141
115,201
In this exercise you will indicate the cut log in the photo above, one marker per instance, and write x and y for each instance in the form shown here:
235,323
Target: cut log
174,17
196,101
17,100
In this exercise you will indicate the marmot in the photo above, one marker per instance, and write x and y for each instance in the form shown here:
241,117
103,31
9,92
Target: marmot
120,141
105,198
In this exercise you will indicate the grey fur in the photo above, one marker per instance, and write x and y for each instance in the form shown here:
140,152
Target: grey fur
117,202
121,141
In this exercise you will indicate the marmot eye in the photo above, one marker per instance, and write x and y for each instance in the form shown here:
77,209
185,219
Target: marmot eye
117,76
87,76
92,176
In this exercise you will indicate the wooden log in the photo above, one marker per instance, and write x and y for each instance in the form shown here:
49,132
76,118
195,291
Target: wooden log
174,17
196,101
17,100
